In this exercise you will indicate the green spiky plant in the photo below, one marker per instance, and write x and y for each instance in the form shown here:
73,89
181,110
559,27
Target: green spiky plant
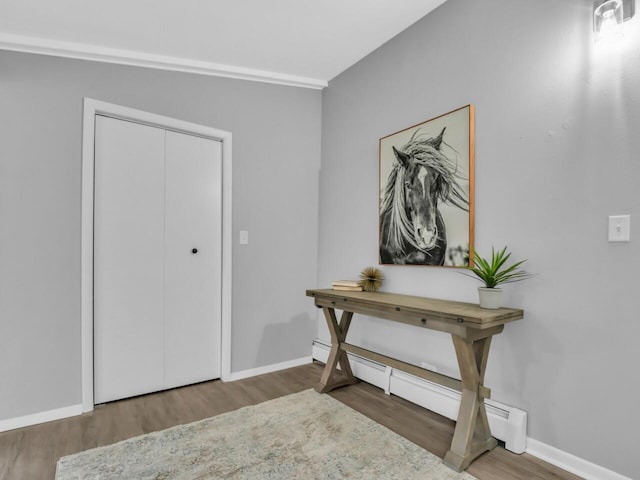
493,272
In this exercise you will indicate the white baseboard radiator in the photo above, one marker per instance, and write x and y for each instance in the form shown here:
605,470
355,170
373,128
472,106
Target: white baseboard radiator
507,423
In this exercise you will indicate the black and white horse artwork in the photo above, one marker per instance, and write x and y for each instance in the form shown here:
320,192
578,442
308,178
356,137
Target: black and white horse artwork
412,227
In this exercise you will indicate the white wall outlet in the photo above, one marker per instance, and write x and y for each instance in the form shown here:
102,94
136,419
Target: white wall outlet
244,237
620,228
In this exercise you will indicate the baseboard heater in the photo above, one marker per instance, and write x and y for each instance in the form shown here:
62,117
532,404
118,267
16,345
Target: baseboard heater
508,424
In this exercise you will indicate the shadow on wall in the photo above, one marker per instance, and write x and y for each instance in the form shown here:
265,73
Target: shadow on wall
286,341
532,360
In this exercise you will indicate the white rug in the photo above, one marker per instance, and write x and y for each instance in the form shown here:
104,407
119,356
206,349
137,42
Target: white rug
302,436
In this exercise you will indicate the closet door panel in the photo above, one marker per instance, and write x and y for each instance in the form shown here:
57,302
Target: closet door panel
129,254
193,267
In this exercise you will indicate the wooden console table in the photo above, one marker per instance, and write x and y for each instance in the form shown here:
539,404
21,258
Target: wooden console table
471,329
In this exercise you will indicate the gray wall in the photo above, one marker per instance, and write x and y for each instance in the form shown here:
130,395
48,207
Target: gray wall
276,160
557,152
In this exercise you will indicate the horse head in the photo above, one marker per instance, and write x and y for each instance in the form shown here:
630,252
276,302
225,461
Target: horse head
422,189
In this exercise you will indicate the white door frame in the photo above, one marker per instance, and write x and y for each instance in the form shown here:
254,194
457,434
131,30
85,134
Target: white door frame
91,109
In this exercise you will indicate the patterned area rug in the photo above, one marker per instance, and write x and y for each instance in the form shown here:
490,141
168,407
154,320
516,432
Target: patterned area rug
302,436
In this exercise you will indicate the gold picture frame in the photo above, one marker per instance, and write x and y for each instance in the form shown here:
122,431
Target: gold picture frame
426,201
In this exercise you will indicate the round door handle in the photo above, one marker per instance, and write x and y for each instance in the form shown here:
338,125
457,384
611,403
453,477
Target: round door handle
194,251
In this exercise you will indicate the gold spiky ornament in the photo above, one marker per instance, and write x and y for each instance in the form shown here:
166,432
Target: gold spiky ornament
371,279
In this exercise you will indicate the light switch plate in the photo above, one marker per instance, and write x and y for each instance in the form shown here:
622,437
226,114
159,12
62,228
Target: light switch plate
244,237
620,228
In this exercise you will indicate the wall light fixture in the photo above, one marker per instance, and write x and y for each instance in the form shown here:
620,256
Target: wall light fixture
608,17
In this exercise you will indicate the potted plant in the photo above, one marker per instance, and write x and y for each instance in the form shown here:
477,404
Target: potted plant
493,272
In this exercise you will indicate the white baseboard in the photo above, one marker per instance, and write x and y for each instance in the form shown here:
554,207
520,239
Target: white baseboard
571,463
40,417
72,411
252,372
507,423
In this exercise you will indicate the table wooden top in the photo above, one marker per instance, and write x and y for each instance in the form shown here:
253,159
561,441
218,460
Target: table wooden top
428,307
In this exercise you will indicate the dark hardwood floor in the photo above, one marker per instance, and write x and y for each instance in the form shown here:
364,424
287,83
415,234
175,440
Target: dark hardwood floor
31,453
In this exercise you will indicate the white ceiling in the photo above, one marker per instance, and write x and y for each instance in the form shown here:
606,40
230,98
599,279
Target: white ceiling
297,42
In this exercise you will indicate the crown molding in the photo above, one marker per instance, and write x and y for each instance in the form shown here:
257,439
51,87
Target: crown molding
42,46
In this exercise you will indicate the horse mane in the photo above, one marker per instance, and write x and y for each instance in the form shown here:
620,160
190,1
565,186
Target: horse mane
424,151
398,224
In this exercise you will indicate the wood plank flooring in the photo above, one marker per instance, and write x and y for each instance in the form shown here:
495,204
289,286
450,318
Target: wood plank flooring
31,453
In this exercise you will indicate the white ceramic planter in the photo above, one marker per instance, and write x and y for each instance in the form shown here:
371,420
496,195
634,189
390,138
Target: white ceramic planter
490,297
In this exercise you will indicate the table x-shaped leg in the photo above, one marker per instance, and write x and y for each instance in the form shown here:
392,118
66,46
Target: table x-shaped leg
472,435
330,377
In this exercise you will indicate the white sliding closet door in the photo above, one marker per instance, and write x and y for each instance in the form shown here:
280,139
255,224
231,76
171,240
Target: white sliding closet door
156,303
128,259
192,280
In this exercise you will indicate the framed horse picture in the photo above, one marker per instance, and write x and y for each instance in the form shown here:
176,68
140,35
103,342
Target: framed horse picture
426,192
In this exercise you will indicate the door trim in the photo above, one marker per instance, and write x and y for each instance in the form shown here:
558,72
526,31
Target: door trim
91,109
